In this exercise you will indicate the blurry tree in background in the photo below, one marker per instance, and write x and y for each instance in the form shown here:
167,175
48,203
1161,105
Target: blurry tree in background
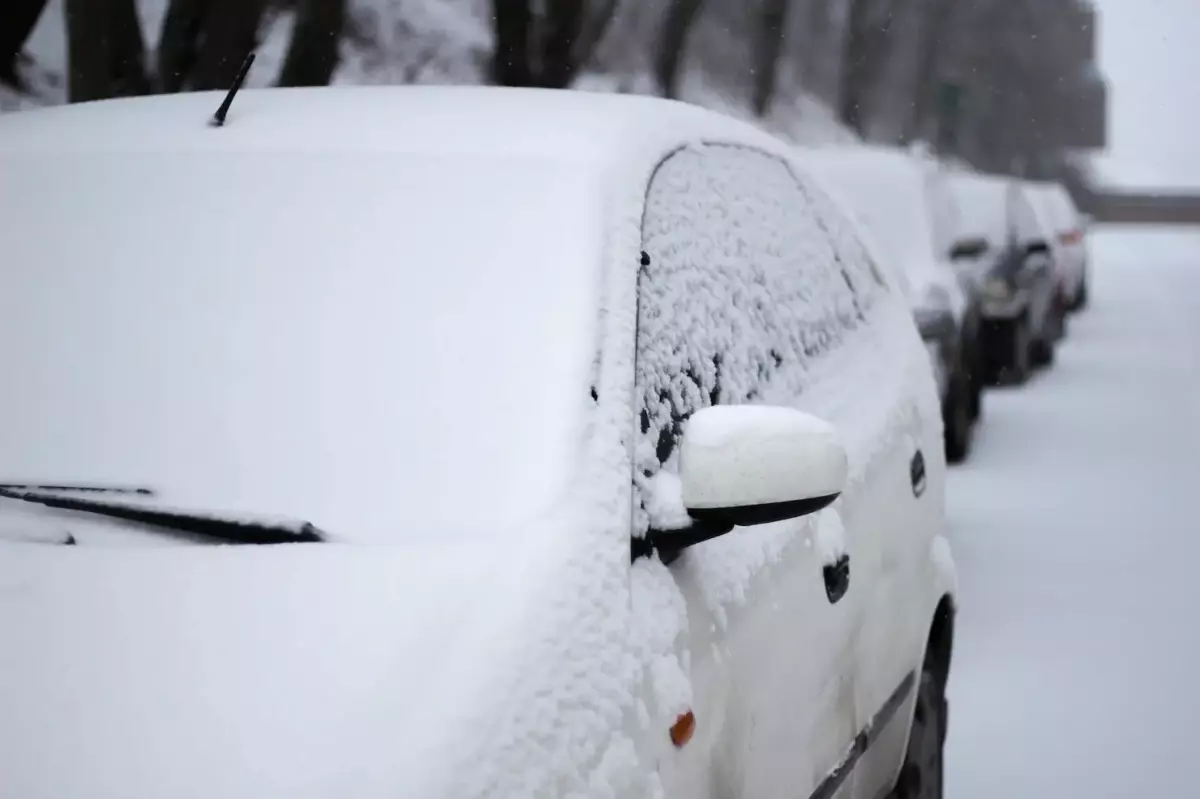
203,42
546,46
105,50
865,54
774,32
312,55
1005,85
671,46
17,18
937,26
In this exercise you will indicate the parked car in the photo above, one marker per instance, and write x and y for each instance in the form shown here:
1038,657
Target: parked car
893,195
1066,230
1007,256
586,448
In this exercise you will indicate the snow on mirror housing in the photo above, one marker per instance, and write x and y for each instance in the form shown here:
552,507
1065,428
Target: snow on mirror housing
743,465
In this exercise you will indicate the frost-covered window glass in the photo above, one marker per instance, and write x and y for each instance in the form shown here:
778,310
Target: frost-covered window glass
744,288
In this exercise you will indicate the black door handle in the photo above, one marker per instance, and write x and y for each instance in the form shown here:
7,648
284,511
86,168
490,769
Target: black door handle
916,472
837,578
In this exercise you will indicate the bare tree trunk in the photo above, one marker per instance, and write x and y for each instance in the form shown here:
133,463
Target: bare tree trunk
815,54
512,21
17,20
774,30
936,24
672,40
179,43
88,51
127,53
312,55
867,42
204,42
564,25
593,33
229,34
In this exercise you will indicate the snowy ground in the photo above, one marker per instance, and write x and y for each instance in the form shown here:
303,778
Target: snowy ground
1075,530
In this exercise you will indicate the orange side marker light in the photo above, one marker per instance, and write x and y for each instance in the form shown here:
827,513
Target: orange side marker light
683,729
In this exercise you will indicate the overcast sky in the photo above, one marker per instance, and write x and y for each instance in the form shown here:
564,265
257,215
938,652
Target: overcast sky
1150,52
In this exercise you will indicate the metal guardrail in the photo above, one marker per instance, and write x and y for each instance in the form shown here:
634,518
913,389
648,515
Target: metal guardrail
1142,208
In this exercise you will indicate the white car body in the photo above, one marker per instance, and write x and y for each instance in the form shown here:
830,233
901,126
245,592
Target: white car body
978,207
893,194
1064,227
410,316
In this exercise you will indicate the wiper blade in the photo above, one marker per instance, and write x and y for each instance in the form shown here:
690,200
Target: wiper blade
234,531
87,489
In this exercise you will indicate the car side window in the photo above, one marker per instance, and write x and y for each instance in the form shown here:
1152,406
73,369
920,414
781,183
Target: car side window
741,291
861,271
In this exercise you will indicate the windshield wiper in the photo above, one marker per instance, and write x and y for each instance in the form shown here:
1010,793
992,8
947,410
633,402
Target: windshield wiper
233,531
88,489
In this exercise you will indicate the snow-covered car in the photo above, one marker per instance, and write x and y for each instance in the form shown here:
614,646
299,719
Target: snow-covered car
1067,235
1008,260
893,195
559,445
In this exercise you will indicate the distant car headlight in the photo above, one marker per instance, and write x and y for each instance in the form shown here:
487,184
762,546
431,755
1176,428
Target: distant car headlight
995,288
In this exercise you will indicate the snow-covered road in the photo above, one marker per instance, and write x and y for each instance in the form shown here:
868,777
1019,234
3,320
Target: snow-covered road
1076,528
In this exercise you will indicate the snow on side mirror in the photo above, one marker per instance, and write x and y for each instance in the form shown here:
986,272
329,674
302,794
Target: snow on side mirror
742,465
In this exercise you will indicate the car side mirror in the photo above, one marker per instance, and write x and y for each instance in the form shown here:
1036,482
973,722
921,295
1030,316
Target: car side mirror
965,249
1037,246
743,465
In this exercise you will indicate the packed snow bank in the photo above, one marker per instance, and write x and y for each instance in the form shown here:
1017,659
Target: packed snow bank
1074,529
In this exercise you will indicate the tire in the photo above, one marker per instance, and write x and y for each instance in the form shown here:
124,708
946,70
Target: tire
1041,353
922,774
977,377
1081,296
1020,366
957,421
1041,350
976,397
1060,321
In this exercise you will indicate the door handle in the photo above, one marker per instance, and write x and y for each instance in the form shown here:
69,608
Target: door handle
837,578
916,473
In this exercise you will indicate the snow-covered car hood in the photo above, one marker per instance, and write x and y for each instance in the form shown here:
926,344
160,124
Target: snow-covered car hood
308,670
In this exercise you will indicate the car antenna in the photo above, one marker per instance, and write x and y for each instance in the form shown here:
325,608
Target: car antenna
219,118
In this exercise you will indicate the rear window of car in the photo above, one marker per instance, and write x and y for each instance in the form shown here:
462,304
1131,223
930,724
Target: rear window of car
301,334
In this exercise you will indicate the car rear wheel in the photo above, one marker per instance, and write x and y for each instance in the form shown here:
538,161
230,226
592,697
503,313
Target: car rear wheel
1081,296
958,420
922,771
1020,366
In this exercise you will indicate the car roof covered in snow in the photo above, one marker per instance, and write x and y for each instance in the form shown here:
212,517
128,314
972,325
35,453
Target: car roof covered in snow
885,188
981,202
568,125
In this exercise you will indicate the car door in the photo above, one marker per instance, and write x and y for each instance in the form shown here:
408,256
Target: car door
1037,274
742,300
892,513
